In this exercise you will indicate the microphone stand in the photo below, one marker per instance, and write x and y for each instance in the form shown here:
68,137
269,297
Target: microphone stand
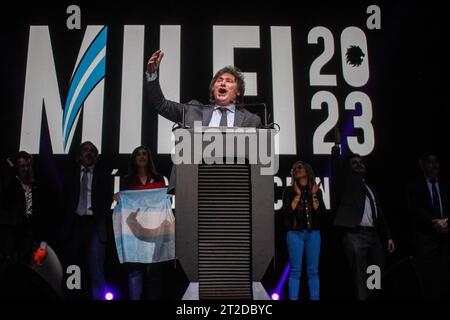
261,104
182,124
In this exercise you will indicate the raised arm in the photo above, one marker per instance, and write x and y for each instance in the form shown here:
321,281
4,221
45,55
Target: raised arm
170,110
154,62
337,170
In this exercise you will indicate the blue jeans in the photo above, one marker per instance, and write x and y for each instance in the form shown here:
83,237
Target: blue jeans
297,243
151,274
85,249
135,284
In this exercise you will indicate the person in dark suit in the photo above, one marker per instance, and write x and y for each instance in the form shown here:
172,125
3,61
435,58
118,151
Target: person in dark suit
21,229
428,201
19,210
87,199
226,89
359,215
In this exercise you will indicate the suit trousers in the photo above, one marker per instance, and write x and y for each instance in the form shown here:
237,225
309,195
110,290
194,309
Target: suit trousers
433,265
363,248
86,250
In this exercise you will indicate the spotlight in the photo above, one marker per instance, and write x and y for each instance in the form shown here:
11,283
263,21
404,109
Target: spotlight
109,296
279,288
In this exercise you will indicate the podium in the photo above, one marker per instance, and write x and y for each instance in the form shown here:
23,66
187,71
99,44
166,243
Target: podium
225,210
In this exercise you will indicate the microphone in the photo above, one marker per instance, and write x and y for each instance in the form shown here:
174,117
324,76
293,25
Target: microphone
267,116
183,121
182,124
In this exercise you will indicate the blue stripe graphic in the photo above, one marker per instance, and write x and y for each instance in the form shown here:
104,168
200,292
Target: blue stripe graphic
98,73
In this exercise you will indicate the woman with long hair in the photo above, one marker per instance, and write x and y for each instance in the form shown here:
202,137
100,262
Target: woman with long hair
142,175
302,207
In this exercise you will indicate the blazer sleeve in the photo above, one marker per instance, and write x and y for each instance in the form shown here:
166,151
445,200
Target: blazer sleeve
287,199
383,225
417,207
257,121
337,177
155,100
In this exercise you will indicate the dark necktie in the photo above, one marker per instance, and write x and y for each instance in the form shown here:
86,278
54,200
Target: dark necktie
224,118
371,200
436,203
82,201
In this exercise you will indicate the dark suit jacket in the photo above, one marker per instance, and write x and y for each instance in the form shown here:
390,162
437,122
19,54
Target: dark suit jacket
18,232
420,205
12,202
101,199
349,197
295,219
173,111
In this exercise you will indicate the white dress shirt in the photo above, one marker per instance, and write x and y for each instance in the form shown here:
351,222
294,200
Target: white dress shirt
367,220
217,115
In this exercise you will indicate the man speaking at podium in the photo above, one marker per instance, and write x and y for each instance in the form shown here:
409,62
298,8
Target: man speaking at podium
226,90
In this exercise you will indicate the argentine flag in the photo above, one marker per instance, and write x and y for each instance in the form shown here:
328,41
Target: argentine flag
144,226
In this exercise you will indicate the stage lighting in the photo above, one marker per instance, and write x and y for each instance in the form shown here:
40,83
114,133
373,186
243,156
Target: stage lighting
109,296
275,296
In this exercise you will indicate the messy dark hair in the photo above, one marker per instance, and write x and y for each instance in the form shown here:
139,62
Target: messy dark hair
20,155
238,75
14,159
351,156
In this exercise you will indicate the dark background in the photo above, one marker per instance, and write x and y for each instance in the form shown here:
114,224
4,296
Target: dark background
408,88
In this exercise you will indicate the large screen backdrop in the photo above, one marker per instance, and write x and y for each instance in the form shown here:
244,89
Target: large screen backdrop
74,72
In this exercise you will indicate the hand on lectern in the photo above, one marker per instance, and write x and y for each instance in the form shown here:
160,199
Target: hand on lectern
154,61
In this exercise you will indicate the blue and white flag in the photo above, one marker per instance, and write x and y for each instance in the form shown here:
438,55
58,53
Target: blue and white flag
144,226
